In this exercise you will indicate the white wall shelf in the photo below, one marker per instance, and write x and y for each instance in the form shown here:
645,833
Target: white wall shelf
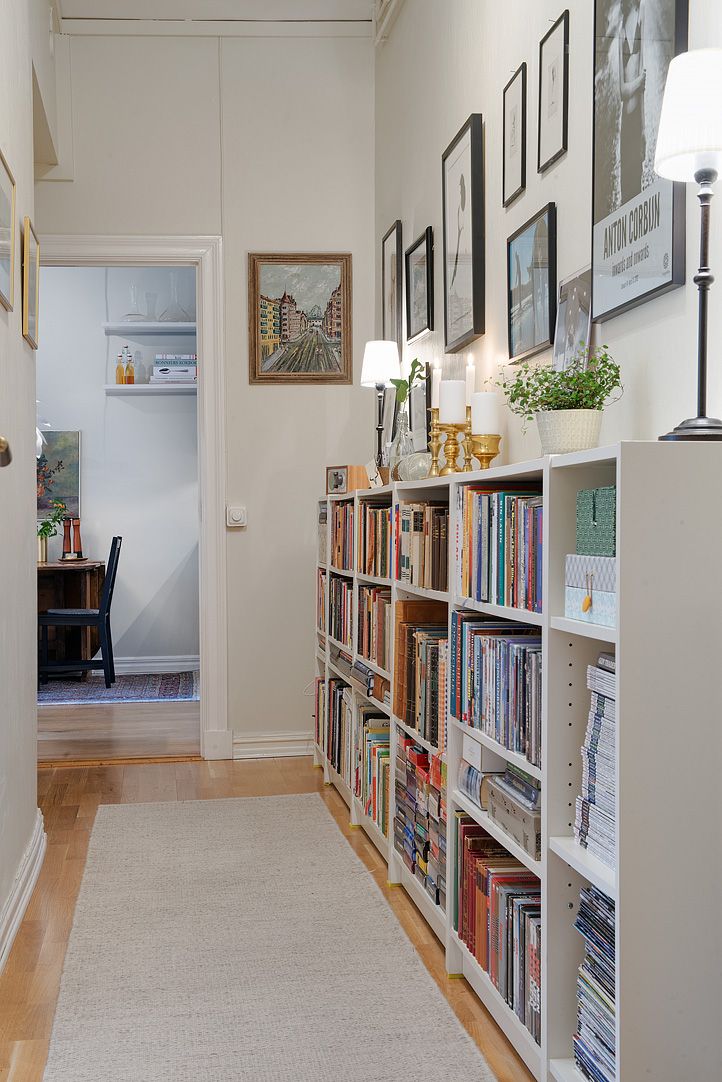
579,627
484,820
581,860
422,591
143,328
493,745
504,612
565,1070
140,390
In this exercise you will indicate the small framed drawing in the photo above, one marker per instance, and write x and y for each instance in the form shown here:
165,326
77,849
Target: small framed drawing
392,269
420,286
553,93
7,235
336,480
574,318
462,194
531,261
514,162
31,283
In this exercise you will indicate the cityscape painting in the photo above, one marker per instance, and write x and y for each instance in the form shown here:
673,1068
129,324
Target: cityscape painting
299,318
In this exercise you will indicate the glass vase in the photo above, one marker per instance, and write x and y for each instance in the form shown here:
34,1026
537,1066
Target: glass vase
402,445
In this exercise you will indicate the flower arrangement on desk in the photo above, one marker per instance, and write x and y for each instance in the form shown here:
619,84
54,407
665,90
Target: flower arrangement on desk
566,403
48,527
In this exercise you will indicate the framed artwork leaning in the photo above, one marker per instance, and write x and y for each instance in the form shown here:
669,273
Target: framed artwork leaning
574,318
531,260
58,473
392,271
420,286
553,126
31,283
514,124
462,188
7,235
299,318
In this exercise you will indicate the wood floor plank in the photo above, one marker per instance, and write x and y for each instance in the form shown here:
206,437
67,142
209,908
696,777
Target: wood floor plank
69,798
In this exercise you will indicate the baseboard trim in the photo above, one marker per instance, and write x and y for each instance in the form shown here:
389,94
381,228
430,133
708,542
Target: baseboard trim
21,891
130,666
271,745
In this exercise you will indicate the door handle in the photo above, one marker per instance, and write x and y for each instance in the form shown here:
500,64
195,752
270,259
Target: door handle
5,452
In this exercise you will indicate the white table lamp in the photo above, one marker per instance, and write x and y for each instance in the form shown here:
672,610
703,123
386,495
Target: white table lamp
689,148
380,365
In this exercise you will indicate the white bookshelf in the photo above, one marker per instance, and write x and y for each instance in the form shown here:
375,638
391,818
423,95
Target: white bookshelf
140,390
667,643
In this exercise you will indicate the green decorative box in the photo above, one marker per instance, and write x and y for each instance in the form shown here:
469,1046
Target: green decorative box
597,521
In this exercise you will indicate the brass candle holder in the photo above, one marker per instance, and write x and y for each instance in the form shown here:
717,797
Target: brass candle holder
467,443
485,449
434,442
451,447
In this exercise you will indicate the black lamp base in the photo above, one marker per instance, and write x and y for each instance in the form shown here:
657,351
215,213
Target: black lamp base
696,428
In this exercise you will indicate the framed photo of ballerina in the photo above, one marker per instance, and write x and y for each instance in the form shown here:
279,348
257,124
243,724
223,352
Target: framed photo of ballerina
638,218
462,188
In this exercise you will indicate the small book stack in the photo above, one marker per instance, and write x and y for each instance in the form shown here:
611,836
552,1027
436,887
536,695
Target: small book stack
175,368
342,516
374,625
515,806
594,826
375,540
420,819
371,780
422,553
497,914
594,1041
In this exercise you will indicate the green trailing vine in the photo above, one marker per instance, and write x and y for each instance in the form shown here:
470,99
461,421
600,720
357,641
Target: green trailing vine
403,386
587,384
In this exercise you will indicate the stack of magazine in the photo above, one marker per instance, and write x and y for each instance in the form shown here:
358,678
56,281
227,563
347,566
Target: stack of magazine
594,1041
594,826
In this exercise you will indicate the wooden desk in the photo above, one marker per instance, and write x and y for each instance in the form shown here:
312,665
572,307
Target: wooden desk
68,584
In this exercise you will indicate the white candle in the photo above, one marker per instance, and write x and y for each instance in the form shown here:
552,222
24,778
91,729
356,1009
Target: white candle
435,383
452,402
485,413
470,381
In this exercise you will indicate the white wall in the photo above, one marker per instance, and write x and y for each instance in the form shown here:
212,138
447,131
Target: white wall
138,456
445,61
18,621
269,142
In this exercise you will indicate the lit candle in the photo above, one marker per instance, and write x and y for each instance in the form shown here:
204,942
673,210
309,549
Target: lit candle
485,413
452,402
470,381
435,384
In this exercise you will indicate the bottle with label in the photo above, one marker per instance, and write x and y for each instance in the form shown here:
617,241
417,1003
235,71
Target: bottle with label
120,370
129,369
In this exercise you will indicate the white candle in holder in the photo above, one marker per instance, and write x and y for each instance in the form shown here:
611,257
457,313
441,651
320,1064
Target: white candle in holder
452,402
485,413
470,381
435,383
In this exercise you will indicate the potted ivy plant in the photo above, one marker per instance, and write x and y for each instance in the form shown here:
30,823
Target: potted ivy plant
48,527
567,404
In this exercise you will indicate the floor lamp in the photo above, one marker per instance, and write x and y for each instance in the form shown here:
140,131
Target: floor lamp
689,147
380,366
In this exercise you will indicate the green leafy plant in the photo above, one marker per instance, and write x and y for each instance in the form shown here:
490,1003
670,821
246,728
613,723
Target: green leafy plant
49,525
586,384
403,386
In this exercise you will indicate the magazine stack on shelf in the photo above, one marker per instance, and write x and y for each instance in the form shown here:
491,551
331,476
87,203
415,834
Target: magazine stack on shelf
594,826
594,1041
175,368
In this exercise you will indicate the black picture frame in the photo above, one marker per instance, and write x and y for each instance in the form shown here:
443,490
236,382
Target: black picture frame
539,344
394,330
414,331
563,22
676,267
473,128
519,74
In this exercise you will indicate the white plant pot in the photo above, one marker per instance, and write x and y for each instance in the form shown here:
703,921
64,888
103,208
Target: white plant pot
562,431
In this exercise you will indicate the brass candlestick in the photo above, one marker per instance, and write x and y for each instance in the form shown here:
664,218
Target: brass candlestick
434,442
451,447
467,443
485,448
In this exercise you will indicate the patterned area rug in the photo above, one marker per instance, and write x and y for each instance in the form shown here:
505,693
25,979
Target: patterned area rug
126,689
243,941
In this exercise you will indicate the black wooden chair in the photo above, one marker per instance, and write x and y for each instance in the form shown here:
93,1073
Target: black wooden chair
98,618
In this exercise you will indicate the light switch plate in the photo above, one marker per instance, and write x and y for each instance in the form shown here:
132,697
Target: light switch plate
236,516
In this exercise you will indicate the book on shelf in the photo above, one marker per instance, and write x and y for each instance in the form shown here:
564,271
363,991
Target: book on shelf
595,808
340,609
173,373
420,816
321,587
595,1036
340,728
374,625
474,783
499,545
515,806
371,781
422,552
419,699
342,528
419,613
497,914
322,530
496,680
374,540
319,717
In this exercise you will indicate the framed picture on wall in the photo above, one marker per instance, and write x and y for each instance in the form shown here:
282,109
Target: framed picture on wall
420,413
7,235
574,318
514,161
420,286
299,318
31,283
531,259
553,94
462,190
638,218
58,473
392,269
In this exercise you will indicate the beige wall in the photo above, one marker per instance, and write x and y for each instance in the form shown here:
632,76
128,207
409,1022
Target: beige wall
17,481
442,63
269,142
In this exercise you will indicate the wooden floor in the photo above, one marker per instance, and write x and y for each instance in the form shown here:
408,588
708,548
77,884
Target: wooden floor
69,797
118,730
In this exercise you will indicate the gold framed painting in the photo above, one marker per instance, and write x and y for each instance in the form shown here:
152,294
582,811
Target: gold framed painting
299,318
7,235
31,283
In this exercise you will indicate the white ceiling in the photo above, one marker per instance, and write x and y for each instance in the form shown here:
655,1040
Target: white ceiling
217,9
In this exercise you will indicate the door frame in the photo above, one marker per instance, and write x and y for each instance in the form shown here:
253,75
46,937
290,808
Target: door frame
205,254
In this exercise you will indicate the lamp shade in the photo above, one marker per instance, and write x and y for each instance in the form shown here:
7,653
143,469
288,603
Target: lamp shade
690,126
381,364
